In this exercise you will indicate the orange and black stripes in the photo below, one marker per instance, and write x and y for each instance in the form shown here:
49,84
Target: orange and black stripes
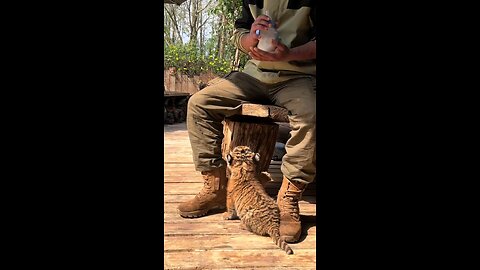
257,210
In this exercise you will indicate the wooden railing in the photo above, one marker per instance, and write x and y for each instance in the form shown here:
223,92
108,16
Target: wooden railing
175,81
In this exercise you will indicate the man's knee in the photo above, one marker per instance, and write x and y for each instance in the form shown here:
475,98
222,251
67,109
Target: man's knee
308,112
301,107
197,100
305,114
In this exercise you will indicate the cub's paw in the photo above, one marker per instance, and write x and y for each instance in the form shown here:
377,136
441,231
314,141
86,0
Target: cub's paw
229,216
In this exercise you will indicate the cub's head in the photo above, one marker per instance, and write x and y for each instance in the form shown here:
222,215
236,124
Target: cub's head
243,157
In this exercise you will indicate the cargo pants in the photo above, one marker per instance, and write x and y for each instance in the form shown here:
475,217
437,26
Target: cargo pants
222,98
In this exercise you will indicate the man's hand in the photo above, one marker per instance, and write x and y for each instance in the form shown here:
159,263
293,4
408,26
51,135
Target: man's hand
281,53
306,51
262,24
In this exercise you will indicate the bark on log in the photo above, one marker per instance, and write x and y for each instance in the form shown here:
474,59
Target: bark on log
254,127
260,137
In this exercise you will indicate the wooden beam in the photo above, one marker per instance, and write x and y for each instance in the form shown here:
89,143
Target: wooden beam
275,113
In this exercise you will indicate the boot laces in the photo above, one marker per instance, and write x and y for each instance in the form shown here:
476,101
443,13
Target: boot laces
207,186
291,198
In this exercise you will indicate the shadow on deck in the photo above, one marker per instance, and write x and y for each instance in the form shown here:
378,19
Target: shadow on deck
211,242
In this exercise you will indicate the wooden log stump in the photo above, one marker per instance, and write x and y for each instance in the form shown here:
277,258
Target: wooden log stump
260,137
254,127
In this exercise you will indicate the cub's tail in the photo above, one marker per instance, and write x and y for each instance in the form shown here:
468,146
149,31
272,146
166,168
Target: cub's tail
281,243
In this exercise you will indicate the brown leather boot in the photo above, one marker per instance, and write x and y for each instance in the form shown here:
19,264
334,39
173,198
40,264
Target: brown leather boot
287,200
212,196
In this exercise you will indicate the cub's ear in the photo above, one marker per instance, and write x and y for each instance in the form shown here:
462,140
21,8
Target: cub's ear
257,157
229,159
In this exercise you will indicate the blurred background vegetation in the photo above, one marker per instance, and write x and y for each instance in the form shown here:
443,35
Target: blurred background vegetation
197,36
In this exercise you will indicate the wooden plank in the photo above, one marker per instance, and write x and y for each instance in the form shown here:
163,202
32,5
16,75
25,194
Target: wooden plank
170,198
180,159
184,179
214,267
227,227
277,114
182,188
171,216
192,188
171,174
187,173
273,186
269,259
189,167
196,177
179,177
305,207
171,213
178,163
307,219
247,241
250,267
181,166
175,168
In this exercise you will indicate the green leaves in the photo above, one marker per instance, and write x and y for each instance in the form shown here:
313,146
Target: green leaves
187,59
212,52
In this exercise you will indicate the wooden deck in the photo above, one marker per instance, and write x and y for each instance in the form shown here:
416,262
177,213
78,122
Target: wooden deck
211,242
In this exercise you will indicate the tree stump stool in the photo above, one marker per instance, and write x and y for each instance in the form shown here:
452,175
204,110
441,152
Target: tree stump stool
254,126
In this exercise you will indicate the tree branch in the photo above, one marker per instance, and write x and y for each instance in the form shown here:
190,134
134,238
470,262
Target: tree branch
173,19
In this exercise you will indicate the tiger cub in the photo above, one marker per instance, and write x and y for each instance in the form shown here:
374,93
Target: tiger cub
247,198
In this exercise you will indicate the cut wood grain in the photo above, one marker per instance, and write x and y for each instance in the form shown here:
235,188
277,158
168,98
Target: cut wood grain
274,113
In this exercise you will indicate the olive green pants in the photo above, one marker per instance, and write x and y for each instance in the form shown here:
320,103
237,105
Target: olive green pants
222,97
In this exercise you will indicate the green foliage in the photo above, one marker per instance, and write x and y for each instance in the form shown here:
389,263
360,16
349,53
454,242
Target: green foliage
195,58
231,9
188,60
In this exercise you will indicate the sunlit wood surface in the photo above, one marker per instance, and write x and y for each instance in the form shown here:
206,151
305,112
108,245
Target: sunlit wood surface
211,242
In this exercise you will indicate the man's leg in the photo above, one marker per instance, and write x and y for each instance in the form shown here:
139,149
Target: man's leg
298,164
206,111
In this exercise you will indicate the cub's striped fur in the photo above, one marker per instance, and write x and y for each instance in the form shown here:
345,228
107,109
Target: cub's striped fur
247,198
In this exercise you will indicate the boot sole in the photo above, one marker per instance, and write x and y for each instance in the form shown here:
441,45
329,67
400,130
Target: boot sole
198,213
291,239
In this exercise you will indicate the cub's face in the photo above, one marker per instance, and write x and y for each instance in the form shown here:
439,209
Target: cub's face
243,157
